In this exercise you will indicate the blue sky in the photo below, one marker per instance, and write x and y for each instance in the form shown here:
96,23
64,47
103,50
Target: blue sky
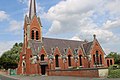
68,19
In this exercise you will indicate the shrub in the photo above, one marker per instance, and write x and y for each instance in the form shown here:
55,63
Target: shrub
114,71
115,66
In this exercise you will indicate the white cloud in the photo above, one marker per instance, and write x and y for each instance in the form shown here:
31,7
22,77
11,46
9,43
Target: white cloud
111,24
3,16
15,26
76,38
5,45
23,1
70,14
113,7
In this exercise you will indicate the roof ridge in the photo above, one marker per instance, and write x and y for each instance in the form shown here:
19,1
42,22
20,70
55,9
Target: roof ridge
62,39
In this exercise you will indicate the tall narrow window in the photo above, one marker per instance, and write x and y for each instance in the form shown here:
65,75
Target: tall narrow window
69,60
42,57
76,50
94,58
97,58
110,62
65,50
80,59
57,60
37,35
100,59
32,34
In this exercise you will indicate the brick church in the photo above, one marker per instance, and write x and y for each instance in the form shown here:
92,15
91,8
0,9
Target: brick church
40,54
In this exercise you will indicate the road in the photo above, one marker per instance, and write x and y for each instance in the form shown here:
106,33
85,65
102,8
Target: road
6,78
58,78
18,77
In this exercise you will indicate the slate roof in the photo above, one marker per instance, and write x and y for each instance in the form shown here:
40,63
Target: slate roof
87,47
35,46
62,44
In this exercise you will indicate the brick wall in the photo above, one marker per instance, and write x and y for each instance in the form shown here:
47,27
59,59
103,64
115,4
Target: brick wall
80,73
108,61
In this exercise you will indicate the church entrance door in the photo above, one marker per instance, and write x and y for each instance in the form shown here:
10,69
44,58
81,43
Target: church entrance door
43,69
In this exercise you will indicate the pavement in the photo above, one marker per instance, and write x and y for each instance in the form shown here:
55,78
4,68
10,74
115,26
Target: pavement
38,77
21,77
4,77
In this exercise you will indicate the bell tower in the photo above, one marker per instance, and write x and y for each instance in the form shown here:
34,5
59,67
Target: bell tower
32,34
35,23
32,25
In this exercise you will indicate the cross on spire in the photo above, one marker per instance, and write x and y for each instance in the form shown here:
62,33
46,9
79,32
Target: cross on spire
32,11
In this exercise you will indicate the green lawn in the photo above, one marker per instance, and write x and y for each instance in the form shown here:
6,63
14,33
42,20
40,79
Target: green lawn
114,73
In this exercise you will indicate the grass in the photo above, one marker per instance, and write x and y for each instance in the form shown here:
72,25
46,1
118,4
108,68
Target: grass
114,73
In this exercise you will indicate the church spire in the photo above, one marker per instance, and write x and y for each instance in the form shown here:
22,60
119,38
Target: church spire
32,11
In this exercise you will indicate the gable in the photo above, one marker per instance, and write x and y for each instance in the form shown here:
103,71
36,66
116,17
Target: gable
35,23
42,51
56,51
80,51
96,47
69,52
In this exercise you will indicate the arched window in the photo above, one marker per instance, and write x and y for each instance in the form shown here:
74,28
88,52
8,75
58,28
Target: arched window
23,68
80,59
57,60
32,34
42,57
97,58
110,62
94,59
100,59
37,35
69,60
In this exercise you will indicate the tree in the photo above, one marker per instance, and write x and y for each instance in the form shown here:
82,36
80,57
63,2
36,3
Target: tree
10,58
116,57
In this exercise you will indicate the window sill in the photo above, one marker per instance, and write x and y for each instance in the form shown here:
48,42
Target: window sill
70,67
57,68
80,66
98,65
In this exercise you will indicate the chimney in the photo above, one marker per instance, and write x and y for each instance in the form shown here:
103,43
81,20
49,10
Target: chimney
94,36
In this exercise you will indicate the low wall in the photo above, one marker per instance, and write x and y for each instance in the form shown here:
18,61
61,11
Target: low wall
4,72
103,72
88,72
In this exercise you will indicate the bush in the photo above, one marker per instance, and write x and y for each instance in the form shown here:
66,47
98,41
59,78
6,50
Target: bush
114,71
115,66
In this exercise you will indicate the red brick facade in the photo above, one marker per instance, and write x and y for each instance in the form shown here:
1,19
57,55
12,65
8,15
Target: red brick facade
79,73
110,61
40,55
